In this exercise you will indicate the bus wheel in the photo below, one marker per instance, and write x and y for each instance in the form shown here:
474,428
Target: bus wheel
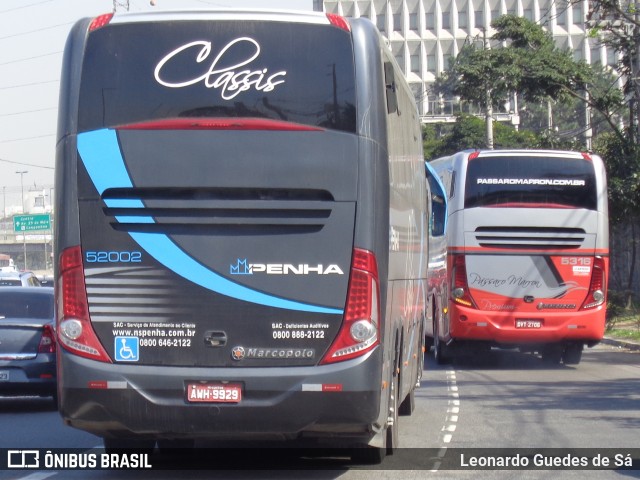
552,354
572,354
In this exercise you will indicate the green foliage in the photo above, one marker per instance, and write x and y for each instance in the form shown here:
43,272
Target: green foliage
531,64
469,133
623,169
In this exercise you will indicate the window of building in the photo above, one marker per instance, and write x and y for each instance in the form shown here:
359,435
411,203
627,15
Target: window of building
561,14
431,63
612,58
462,19
397,22
478,19
381,21
413,22
430,21
578,18
415,63
446,20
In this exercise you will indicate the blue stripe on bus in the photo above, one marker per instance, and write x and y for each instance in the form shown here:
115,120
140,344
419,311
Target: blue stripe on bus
100,154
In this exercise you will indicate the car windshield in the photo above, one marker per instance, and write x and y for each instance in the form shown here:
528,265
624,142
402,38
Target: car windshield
25,305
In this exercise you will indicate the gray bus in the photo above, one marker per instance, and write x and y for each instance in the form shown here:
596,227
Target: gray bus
241,241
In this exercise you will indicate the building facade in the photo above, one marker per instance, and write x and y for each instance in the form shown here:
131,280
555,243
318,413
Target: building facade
425,35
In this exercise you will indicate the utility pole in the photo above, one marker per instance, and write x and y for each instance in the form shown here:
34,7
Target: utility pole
488,117
24,234
21,173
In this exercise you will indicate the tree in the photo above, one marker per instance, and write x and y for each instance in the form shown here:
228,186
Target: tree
616,24
528,62
468,132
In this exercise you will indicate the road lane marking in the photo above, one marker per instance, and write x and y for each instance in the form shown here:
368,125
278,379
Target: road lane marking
38,476
451,420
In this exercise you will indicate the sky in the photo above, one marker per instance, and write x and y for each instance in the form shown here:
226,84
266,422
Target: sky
32,38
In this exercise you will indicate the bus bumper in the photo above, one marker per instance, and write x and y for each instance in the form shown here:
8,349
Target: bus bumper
527,328
115,401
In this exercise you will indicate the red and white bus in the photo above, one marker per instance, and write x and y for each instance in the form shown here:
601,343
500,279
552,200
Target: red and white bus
528,252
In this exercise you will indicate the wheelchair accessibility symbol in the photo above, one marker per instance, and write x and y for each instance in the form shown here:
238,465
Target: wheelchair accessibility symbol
127,349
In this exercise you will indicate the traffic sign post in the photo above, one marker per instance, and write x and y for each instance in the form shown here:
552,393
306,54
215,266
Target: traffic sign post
31,223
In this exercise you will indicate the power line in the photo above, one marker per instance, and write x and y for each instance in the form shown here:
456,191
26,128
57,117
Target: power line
25,138
25,164
25,6
29,84
31,58
35,31
27,111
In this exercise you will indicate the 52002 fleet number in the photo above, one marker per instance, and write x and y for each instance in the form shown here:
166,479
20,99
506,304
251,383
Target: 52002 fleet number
113,257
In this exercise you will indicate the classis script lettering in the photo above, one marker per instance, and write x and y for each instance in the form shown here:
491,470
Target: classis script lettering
230,77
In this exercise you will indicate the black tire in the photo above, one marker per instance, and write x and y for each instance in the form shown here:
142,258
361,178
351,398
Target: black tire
572,354
552,354
408,405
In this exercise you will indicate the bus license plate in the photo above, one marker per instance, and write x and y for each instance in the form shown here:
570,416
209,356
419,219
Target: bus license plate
4,375
528,323
214,392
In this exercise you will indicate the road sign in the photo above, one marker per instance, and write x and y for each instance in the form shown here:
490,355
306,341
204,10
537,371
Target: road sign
29,223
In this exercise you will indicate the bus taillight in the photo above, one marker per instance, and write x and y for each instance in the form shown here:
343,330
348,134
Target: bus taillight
360,327
460,288
100,21
75,332
339,21
597,287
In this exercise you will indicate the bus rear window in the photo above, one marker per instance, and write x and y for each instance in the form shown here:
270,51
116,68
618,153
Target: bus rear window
299,73
546,182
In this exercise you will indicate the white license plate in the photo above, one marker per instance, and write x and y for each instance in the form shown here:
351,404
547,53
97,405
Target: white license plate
4,375
528,323
214,392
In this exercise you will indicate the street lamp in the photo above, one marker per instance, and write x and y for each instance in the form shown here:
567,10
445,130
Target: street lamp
24,235
21,173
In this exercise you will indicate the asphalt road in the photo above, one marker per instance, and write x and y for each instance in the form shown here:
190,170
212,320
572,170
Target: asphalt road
505,400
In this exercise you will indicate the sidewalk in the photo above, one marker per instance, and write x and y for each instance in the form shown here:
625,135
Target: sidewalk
635,346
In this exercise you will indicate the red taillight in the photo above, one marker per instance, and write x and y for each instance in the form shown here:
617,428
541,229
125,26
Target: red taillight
75,332
339,21
474,155
597,287
100,21
47,341
460,288
360,331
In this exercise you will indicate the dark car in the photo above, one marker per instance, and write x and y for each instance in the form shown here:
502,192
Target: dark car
27,341
19,279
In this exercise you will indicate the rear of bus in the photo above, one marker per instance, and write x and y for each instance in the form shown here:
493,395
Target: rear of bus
528,251
213,278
